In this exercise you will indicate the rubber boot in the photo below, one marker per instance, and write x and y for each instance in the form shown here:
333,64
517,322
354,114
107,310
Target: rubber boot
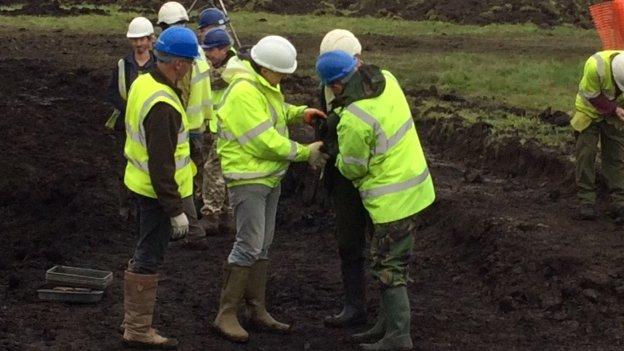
139,301
397,311
587,212
376,332
255,297
226,322
354,311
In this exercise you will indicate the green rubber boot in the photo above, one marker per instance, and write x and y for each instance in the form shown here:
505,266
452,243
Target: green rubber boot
376,332
397,311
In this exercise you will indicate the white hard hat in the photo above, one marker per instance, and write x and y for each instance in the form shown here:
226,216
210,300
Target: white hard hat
617,65
172,12
275,53
140,27
341,39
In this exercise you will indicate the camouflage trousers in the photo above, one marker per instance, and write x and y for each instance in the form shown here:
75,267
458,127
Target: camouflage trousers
390,251
214,191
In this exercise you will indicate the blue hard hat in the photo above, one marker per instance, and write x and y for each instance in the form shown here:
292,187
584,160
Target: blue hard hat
216,38
178,42
212,17
335,65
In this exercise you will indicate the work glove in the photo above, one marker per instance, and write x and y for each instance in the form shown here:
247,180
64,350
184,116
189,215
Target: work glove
311,114
112,120
317,157
179,226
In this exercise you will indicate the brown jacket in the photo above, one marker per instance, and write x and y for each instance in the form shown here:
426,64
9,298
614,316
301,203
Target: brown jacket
162,124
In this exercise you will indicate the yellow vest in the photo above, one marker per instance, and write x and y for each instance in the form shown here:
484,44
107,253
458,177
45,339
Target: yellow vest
199,106
144,94
597,79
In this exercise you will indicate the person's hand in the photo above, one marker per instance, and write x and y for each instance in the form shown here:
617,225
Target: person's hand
317,157
179,226
310,114
619,113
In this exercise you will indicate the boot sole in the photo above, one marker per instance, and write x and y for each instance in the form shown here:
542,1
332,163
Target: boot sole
410,348
366,339
268,329
228,337
146,346
345,324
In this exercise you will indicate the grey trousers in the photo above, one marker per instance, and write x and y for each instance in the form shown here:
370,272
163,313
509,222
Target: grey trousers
255,208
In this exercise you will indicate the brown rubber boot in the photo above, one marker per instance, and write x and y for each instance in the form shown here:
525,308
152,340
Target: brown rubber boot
255,297
226,323
139,301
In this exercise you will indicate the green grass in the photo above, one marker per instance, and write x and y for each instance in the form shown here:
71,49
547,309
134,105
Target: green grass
317,24
519,65
533,80
266,23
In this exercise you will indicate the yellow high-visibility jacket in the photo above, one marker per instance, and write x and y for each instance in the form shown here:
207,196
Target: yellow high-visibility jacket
253,142
381,153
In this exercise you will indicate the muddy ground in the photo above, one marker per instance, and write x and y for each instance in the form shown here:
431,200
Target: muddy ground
499,262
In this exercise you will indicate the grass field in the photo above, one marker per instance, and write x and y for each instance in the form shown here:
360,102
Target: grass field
518,65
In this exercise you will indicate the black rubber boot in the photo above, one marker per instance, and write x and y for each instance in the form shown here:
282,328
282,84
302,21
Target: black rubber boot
354,311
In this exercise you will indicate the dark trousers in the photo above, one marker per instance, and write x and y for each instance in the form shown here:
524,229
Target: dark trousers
197,155
350,234
611,141
351,219
154,229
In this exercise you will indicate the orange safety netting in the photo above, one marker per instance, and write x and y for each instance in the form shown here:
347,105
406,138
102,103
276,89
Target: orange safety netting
608,17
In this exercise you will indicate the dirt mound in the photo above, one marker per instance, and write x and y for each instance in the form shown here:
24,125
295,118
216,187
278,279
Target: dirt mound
51,8
543,13
511,156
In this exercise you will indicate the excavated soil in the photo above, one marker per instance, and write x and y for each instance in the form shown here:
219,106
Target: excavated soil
50,8
499,261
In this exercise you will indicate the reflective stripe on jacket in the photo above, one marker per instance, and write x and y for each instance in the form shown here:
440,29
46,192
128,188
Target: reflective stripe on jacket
381,153
121,79
199,106
253,141
597,79
145,93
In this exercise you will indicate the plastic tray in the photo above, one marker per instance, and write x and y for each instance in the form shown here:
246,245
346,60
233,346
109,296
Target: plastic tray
76,295
78,277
